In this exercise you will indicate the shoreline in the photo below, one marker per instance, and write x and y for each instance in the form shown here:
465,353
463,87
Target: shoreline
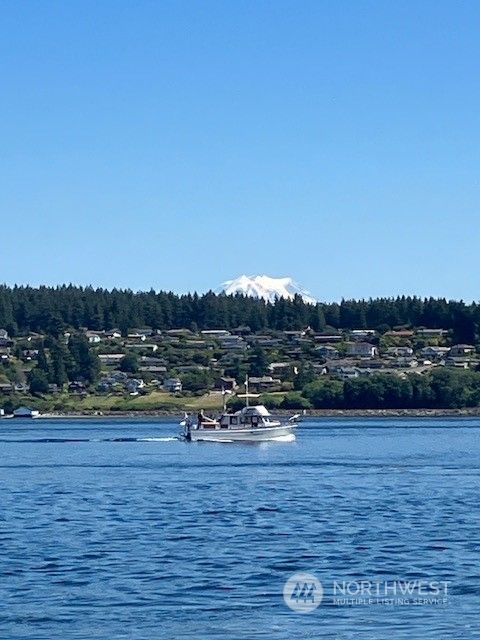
310,413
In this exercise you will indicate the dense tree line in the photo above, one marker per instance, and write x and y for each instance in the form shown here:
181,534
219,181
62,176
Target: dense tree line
50,310
442,388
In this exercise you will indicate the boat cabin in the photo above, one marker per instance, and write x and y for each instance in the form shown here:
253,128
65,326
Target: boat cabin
248,417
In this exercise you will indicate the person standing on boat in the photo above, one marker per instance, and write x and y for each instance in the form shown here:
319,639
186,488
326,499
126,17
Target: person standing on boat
202,418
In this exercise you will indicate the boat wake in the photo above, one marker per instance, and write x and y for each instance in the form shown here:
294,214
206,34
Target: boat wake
85,440
166,439
288,437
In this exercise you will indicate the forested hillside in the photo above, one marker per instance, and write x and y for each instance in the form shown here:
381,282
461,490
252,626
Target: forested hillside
51,310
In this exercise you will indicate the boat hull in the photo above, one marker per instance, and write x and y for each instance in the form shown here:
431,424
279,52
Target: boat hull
258,434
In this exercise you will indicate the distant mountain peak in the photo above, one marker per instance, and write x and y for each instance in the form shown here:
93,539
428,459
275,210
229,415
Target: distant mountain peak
266,287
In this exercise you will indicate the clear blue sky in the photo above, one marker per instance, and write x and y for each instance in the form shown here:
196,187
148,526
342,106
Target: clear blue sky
178,144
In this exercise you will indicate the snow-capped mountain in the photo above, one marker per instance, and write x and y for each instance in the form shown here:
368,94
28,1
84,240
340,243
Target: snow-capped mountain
266,288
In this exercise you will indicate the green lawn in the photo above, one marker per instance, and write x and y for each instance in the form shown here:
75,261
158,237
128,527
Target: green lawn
154,401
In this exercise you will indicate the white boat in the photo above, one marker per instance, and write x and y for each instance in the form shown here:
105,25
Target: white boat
250,424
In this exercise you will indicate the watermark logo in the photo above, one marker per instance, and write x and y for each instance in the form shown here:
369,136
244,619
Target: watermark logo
303,592
390,592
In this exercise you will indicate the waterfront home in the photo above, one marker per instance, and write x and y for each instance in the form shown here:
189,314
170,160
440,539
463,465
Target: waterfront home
173,385
25,412
361,350
4,334
77,387
133,385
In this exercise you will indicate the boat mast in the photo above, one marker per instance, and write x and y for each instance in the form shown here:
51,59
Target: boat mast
246,391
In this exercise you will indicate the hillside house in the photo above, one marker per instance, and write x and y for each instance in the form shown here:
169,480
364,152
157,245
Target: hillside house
139,334
344,373
458,363
264,383
215,333
362,334
226,383
111,359
361,350
156,369
294,336
143,346
400,333
459,350
327,352
282,370
113,334
232,342
265,341
405,362
434,353
431,333
94,337
325,338
29,354
395,352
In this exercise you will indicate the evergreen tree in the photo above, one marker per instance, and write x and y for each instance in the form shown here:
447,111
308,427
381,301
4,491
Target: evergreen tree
258,362
38,381
129,363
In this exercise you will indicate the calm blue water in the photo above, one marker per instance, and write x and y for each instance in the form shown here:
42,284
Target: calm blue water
110,529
